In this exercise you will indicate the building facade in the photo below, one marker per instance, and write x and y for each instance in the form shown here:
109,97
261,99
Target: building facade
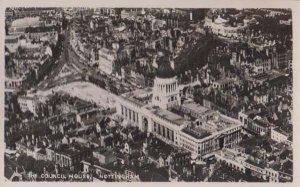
150,111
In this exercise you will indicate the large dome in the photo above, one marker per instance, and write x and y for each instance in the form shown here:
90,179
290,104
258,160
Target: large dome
165,71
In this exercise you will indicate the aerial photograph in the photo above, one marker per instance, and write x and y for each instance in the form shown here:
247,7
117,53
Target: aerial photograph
111,94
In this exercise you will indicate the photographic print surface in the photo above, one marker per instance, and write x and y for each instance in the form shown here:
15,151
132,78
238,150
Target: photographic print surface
148,94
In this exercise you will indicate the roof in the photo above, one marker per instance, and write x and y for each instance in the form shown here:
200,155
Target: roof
11,39
255,163
165,71
167,115
11,167
285,129
287,167
104,152
139,97
135,145
195,107
261,123
8,172
42,151
197,133
71,150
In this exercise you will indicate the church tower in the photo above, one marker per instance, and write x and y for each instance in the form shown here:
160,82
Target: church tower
165,90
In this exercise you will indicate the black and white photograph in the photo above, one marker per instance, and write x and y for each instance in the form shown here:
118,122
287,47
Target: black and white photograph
142,94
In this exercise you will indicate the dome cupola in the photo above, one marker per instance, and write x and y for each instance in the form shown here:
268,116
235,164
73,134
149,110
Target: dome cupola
165,71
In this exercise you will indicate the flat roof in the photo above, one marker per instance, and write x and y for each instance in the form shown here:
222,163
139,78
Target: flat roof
197,132
195,107
139,97
221,122
167,115
259,164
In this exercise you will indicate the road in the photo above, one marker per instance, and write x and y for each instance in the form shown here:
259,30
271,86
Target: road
51,79
73,60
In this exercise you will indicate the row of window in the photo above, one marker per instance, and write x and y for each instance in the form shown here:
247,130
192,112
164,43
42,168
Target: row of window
164,131
130,114
168,88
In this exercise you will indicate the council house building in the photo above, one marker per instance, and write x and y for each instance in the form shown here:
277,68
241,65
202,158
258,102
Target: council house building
150,110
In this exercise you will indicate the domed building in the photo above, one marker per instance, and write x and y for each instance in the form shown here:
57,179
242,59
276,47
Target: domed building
165,90
208,132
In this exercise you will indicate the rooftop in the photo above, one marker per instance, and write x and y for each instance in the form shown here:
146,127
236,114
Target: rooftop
195,107
165,71
71,150
261,123
197,132
220,122
104,152
256,163
167,115
139,97
286,129
11,39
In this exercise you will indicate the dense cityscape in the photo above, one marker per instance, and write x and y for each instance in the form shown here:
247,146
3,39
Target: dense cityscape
148,94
